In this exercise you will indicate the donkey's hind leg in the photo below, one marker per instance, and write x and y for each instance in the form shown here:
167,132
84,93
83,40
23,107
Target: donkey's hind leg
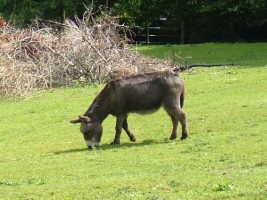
177,115
128,131
174,127
182,120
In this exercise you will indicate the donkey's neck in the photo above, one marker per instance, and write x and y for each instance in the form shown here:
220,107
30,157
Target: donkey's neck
97,113
100,108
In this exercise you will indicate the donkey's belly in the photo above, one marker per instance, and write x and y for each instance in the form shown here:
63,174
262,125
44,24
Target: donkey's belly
145,104
145,112
143,98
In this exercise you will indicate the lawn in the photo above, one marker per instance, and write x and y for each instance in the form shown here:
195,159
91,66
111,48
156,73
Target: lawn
242,54
44,157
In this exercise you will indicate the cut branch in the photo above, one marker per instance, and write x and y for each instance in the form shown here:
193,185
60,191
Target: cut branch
187,67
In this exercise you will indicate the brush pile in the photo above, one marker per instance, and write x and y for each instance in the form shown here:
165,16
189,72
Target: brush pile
91,50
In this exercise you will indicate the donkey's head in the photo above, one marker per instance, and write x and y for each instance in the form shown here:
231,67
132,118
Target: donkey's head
92,131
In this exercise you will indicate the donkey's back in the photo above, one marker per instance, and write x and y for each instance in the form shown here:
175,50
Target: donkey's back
147,92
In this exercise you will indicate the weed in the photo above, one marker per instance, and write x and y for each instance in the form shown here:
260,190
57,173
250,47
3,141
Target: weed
174,183
224,187
31,181
231,70
124,189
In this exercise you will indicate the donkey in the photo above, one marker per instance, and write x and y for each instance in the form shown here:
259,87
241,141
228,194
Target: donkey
142,93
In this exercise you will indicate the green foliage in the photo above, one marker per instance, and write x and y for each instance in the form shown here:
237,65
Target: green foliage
25,11
199,20
234,7
44,157
152,8
29,9
21,12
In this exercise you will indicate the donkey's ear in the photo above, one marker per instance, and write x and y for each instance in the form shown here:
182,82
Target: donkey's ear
75,121
84,118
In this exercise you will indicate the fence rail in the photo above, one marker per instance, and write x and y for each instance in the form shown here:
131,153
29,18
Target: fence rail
154,35
160,31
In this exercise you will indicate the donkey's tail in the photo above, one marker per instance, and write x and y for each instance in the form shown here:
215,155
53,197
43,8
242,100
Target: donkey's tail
182,99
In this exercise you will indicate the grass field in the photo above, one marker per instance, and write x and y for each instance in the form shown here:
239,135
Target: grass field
242,54
45,157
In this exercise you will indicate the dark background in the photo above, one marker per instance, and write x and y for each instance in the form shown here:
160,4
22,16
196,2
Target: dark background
193,21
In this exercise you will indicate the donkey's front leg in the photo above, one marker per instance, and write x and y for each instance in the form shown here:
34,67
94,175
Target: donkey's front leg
119,123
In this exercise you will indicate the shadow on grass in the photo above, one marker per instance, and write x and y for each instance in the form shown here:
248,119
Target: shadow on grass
116,146
71,151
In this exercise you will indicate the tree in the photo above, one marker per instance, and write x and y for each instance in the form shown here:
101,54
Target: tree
20,11
150,9
236,16
233,17
246,19
183,10
24,11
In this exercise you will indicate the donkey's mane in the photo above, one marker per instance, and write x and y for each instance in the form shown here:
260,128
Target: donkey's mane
99,101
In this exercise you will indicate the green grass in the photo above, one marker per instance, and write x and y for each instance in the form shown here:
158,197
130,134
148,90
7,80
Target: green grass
45,157
250,54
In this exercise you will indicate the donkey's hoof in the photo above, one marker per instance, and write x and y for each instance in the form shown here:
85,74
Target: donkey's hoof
173,137
133,139
184,137
90,147
114,142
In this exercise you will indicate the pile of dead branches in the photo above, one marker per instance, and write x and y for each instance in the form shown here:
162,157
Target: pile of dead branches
92,50
26,60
